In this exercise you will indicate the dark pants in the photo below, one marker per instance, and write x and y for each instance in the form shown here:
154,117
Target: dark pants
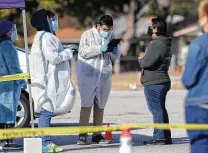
198,138
156,97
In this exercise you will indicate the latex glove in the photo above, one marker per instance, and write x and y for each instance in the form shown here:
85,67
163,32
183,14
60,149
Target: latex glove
104,48
68,46
69,50
115,50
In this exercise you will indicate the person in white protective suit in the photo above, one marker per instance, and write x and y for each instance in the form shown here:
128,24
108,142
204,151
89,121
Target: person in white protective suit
52,87
94,72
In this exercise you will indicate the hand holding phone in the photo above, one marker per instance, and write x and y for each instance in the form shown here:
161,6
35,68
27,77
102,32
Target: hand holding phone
114,42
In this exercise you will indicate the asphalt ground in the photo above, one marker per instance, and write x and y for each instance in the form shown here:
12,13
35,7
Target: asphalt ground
127,107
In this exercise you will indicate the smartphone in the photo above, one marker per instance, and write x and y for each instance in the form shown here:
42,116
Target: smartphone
114,42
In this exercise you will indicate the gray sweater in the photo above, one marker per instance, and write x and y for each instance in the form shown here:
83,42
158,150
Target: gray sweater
156,62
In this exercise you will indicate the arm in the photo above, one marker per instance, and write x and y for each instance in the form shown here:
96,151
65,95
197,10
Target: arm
12,61
193,65
86,50
152,55
50,49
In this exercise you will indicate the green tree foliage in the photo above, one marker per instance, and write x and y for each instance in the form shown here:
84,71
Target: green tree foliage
185,7
179,7
87,12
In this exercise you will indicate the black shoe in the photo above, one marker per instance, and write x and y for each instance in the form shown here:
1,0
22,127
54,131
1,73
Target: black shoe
168,141
12,147
82,140
155,142
99,139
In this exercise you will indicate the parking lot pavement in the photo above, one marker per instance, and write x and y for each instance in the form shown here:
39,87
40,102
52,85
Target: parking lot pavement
127,107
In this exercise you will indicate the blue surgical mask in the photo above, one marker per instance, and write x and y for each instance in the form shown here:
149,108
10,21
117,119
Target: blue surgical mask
55,25
14,35
105,34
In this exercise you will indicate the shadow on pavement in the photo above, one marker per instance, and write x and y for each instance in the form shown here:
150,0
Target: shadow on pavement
137,140
74,124
69,142
68,124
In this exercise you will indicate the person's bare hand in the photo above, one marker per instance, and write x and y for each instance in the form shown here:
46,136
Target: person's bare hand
141,55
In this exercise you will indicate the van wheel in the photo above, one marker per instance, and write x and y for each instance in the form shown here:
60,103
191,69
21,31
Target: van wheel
23,112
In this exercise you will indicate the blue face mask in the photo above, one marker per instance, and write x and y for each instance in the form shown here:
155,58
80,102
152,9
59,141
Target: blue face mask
105,34
55,25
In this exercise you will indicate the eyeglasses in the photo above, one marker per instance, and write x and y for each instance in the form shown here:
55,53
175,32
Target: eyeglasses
107,29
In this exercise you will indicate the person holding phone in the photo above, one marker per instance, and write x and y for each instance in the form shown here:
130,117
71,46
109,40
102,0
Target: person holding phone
94,72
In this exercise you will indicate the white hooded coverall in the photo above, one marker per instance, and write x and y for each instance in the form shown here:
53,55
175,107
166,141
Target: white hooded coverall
52,88
94,70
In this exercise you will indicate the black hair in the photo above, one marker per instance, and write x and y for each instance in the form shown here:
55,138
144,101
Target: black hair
161,26
106,20
50,14
39,20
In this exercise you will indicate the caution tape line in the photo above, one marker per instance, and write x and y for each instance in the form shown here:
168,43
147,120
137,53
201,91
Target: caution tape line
33,132
22,76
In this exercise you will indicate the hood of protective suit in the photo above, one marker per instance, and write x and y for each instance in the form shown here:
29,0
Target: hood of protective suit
40,22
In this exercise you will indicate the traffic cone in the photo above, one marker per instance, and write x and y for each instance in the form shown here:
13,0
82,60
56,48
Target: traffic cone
108,135
125,141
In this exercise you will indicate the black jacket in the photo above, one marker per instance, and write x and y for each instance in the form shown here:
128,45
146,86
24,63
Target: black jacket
156,62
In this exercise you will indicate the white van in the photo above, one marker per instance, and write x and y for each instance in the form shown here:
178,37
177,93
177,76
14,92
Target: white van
23,110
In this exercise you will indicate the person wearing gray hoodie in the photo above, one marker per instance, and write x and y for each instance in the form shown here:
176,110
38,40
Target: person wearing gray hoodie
155,63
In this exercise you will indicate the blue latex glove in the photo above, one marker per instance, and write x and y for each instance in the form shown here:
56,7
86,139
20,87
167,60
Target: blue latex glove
68,46
104,48
115,50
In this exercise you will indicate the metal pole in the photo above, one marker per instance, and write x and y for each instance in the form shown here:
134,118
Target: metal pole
28,67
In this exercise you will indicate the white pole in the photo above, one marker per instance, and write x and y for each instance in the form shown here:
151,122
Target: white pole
28,67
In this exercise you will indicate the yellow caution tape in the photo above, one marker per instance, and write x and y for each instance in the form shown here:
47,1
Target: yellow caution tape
22,76
31,132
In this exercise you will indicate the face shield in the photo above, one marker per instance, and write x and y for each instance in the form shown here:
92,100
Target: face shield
54,23
14,35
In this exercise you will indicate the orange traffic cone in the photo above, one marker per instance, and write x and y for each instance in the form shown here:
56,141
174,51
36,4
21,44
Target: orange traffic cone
108,135
125,142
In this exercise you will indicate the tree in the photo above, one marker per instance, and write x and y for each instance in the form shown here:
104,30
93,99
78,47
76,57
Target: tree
88,12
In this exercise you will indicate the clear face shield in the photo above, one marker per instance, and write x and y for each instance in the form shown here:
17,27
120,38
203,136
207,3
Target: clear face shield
14,35
54,23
